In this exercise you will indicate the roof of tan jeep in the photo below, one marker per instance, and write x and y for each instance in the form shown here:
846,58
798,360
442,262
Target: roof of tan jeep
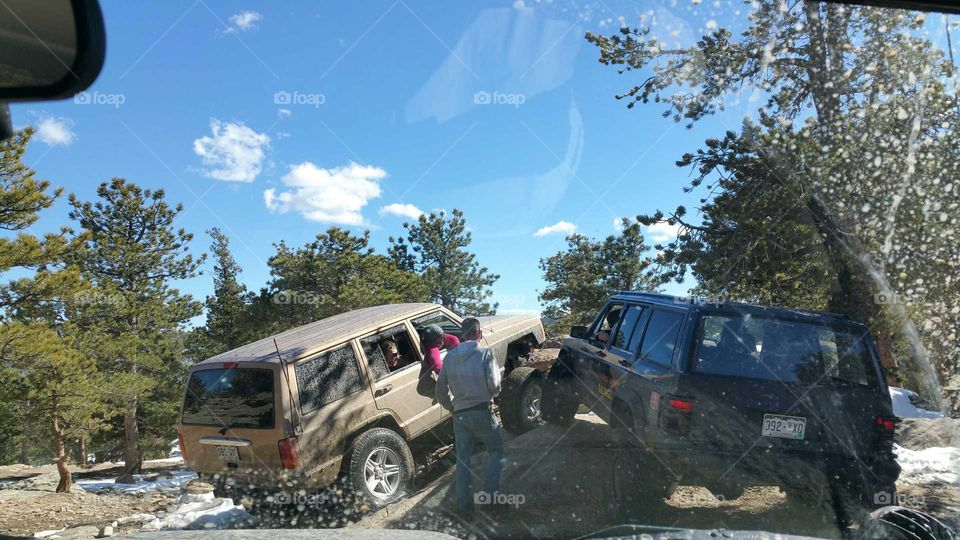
310,338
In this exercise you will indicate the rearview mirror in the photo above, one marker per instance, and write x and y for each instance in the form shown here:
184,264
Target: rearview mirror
50,49
578,331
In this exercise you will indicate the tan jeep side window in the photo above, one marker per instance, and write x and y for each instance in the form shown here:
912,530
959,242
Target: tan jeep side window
327,378
389,351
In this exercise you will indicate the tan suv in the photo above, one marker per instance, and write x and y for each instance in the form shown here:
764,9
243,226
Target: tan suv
308,404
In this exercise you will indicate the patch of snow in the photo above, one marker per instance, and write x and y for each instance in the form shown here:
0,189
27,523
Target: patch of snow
196,511
175,450
904,407
162,483
171,459
45,534
934,464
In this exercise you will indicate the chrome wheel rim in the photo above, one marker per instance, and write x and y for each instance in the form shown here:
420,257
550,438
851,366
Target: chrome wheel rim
381,472
530,404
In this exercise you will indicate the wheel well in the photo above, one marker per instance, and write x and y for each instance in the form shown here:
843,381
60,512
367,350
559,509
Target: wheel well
385,421
620,412
517,348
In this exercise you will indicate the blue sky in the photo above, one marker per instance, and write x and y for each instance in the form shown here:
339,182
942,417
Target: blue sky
275,121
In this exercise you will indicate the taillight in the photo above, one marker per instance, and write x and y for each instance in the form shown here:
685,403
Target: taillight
183,447
675,417
289,453
886,424
681,405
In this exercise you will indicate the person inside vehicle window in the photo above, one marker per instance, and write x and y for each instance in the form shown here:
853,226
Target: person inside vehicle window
432,340
609,321
391,353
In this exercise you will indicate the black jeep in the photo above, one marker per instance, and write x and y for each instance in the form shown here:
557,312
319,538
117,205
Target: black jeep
726,396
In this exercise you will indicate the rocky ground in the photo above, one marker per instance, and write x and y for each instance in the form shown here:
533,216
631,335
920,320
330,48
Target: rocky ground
28,503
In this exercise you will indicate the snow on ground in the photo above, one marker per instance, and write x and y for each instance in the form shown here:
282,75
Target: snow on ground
903,405
174,481
195,511
935,464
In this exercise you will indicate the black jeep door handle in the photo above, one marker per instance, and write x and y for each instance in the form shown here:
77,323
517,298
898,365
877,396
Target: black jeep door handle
383,390
601,354
625,363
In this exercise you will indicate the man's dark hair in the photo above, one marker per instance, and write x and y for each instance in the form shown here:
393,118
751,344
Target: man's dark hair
469,328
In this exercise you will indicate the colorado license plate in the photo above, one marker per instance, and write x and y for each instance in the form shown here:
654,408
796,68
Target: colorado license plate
228,454
785,427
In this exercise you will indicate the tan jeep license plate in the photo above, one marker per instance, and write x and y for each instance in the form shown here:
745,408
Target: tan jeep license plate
228,454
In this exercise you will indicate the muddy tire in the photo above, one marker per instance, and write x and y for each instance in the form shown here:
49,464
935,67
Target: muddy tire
520,400
381,466
559,403
636,488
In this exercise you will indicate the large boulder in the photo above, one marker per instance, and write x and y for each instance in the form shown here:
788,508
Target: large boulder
920,433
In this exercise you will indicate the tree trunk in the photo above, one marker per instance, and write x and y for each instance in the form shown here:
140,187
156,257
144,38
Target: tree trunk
83,450
25,440
61,458
131,450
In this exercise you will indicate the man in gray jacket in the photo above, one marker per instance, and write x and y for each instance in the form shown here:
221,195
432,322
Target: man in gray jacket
472,375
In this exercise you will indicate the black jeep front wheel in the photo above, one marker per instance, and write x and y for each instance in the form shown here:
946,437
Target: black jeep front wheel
520,400
560,400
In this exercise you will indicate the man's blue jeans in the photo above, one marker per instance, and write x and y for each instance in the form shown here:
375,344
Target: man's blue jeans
469,427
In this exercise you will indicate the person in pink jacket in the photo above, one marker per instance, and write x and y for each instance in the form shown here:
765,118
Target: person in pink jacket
433,338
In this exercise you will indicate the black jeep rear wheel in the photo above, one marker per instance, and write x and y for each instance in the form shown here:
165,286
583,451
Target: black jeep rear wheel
637,487
381,466
520,400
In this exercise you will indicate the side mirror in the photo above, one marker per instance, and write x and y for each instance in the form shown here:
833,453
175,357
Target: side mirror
52,49
578,331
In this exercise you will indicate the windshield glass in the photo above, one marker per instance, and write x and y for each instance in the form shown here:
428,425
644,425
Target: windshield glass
784,351
712,248
230,397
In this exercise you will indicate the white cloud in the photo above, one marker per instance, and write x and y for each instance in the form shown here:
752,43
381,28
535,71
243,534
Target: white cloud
335,195
561,227
402,210
618,224
662,231
234,153
245,20
55,131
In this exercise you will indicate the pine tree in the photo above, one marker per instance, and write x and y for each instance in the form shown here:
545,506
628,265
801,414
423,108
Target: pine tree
131,320
580,278
435,247
336,272
227,324
843,185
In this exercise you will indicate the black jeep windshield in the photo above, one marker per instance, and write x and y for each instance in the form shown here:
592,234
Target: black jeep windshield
782,350
230,397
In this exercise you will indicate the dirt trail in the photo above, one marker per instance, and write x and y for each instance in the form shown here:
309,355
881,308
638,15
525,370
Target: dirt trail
560,474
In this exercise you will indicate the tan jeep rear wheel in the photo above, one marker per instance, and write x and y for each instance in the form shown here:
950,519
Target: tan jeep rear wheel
380,466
